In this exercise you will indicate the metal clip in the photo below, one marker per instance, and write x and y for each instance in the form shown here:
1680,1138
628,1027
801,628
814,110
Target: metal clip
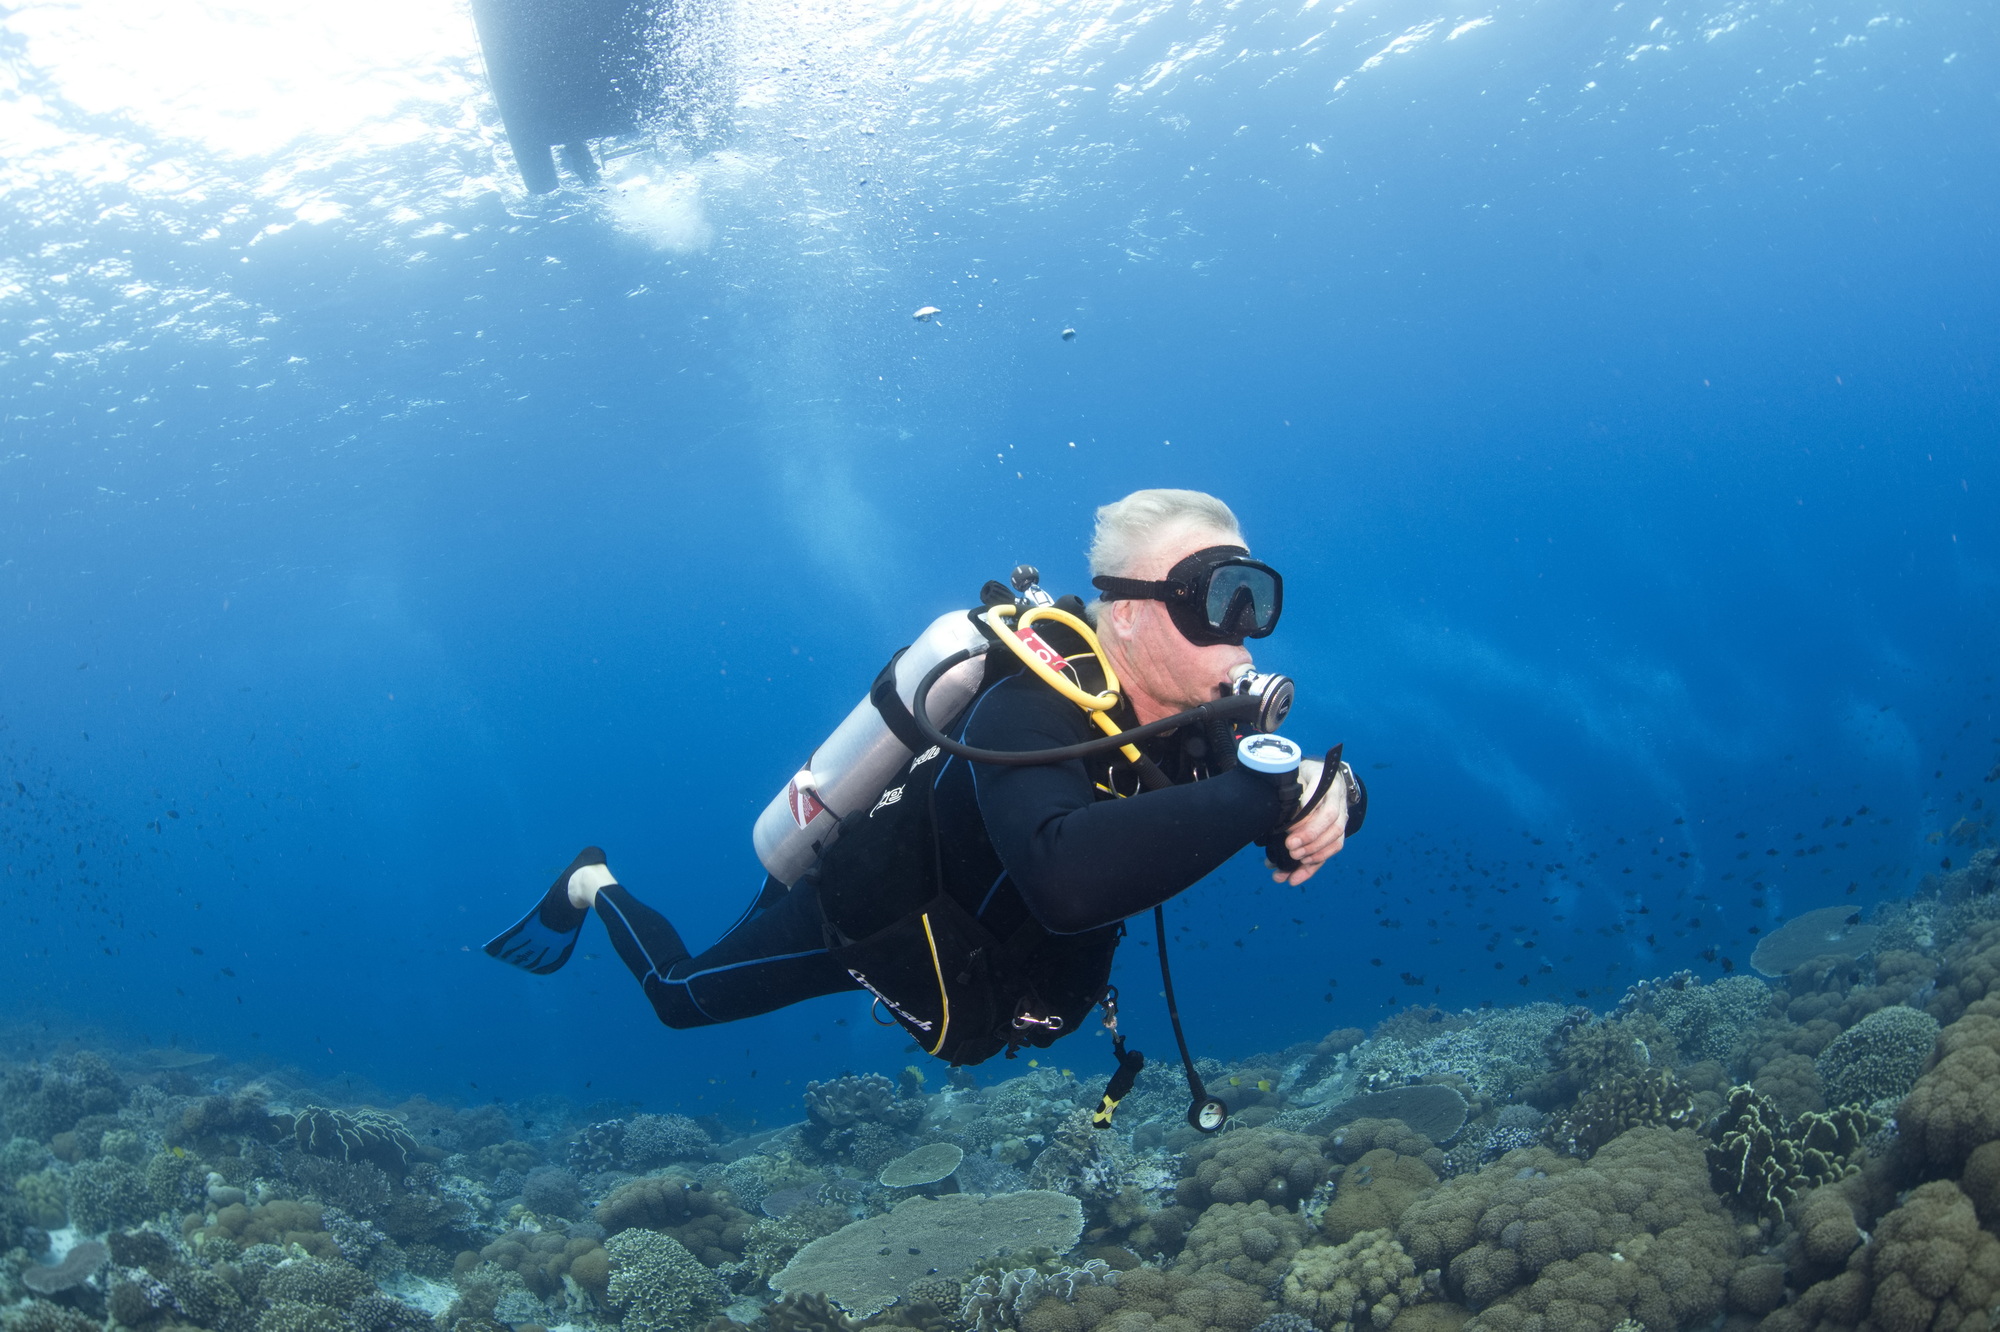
1024,1020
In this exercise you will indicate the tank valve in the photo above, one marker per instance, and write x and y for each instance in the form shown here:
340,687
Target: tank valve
1027,580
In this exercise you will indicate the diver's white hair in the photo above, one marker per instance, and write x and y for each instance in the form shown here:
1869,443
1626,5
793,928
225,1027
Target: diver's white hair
1128,529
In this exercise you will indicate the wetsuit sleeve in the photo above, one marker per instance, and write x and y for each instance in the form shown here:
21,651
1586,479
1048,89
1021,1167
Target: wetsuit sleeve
1080,862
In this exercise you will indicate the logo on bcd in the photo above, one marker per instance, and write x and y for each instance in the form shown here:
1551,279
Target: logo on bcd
803,800
1050,658
889,1003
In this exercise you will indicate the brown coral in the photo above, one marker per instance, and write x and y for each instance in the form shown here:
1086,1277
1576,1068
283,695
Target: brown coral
1252,1242
1953,1108
1363,1283
1971,971
1277,1167
1536,1240
542,1258
1627,1102
707,1221
277,1222
1374,1193
1930,1269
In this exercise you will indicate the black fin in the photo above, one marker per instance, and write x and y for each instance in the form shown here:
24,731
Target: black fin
542,940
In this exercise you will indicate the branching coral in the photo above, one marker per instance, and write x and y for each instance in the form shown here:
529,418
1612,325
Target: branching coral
40,1102
1633,1101
657,1285
1709,1021
1878,1057
107,1193
654,1140
1764,1163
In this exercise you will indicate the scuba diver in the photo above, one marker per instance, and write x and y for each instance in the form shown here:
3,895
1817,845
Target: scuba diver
1019,782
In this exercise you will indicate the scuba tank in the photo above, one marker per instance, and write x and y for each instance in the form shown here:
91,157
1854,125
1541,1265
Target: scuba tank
852,767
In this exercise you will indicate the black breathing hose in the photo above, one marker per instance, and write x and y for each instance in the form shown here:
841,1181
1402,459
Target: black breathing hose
1222,709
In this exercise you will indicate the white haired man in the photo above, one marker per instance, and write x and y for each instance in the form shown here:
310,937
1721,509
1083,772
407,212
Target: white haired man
984,913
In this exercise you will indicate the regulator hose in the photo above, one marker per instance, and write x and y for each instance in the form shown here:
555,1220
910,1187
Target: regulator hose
1226,709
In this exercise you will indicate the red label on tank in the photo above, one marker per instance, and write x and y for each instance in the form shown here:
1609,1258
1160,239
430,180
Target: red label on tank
1051,658
804,801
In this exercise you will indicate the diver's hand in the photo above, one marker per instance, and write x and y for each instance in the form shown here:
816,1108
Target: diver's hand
1318,837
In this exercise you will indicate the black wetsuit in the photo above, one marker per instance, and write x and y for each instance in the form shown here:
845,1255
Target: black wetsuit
1055,842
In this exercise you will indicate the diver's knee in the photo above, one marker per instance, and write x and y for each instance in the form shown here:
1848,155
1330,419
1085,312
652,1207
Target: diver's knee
675,1007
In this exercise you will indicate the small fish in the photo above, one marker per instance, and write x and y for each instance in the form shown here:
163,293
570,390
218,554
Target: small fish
1263,1084
925,314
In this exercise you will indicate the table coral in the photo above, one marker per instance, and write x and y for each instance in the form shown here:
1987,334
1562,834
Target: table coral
1364,1282
1878,1057
868,1264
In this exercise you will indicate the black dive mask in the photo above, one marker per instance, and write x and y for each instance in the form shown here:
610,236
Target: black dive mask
1216,595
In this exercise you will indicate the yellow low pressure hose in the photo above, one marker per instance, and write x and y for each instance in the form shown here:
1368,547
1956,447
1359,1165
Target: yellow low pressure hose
1022,641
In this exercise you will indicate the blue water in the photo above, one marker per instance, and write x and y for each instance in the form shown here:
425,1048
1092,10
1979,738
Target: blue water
1614,384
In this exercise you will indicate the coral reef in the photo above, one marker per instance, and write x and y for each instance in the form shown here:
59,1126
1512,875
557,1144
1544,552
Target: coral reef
1375,1192
1270,1164
1537,1239
1765,1163
928,1164
1878,1058
1605,1111
865,1266
1930,1266
1362,1283
1952,1109
1705,1155
656,1285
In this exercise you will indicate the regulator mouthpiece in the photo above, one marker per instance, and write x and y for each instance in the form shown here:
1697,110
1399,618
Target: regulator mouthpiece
1273,693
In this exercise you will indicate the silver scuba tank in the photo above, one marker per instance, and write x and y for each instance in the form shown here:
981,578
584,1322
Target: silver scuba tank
852,767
